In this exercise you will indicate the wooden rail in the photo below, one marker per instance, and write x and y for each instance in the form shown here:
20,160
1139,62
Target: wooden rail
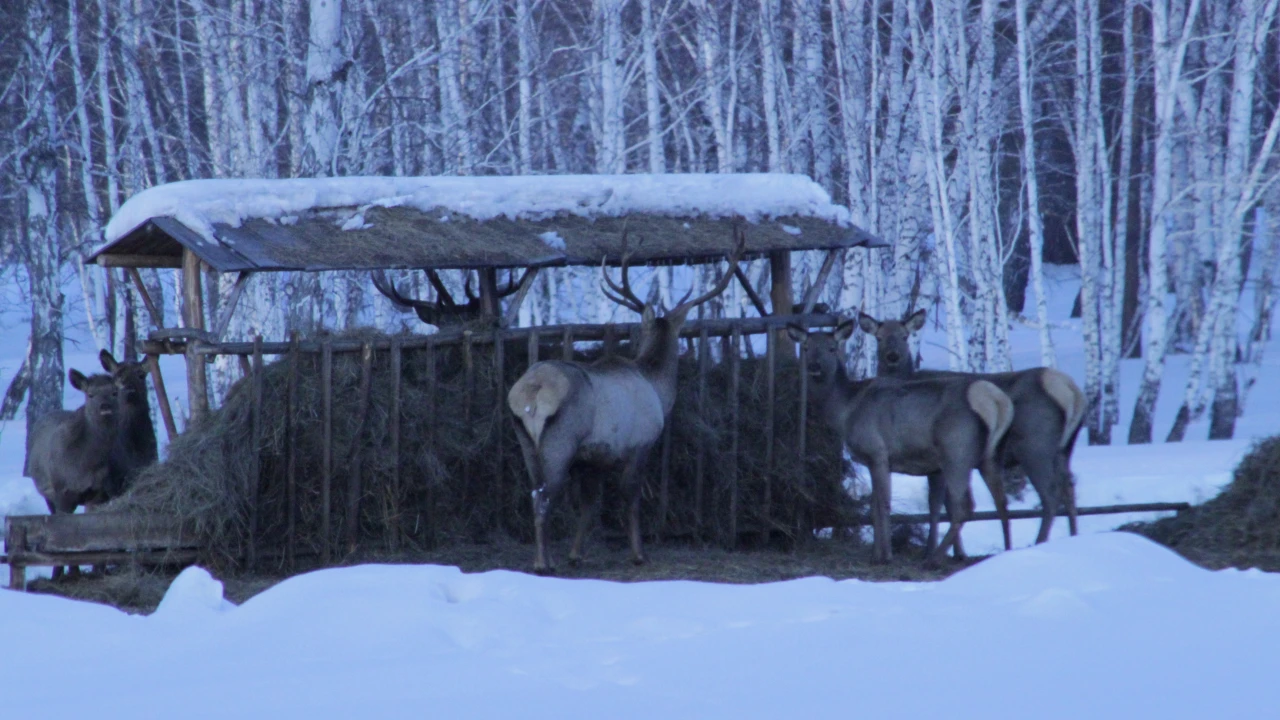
1036,514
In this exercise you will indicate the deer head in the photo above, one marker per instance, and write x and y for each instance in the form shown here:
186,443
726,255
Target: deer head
443,311
100,401
893,348
824,351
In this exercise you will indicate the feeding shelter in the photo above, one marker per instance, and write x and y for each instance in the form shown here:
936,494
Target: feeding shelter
481,224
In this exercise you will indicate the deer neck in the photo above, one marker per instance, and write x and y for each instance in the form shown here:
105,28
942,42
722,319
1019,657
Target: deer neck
659,361
839,396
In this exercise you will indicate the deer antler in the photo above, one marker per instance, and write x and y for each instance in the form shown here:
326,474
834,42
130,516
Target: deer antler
622,294
512,284
440,313
739,247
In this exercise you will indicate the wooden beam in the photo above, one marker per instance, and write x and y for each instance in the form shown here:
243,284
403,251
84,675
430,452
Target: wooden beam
162,397
751,292
513,307
225,318
781,296
141,261
193,309
811,295
1037,514
152,310
326,450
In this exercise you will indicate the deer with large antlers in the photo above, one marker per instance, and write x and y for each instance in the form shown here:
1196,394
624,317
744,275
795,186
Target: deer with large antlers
1048,411
608,413
445,311
943,427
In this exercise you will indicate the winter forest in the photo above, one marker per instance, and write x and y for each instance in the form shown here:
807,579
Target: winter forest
980,139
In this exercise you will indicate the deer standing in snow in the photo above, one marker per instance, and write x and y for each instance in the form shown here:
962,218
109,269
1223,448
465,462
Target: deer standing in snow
1048,411
608,413
135,445
943,427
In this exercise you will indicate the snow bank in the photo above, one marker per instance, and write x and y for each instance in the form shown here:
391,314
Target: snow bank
201,204
1107,626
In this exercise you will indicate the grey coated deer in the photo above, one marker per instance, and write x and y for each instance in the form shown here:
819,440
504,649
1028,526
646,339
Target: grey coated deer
942,427
606,414
135,446
1048,411
444,311
69,451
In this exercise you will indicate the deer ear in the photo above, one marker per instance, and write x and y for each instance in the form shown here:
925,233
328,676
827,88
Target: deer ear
867,323
108,361
844,330
915,320
796,333
77,379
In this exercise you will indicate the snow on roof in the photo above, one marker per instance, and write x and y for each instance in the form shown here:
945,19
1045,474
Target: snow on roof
202,204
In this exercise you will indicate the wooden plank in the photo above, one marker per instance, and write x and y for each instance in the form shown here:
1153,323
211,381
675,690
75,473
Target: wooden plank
433,381
326,450
193,308
393,513
255,456
123,260
566,343
291,464
162,397
93,532
179,556
157,320
751,292
771,394
801,509
503,416
354,465
1036,514
468,395
735,384
811,295
513,306
533,347
224,319
781,296
700,461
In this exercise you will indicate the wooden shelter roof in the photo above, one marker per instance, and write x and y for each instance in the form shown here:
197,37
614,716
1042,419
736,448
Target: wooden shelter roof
356,236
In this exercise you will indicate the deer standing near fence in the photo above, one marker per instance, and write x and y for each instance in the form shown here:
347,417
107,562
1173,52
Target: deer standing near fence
1048,411
608,413
135,445
69,451
445,311
943,427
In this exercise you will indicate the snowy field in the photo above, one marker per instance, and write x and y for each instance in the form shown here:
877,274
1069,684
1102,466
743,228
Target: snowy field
1104,625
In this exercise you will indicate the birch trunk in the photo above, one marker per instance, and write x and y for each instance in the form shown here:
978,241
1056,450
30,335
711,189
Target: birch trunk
1035,224
610,152
324,87
770,59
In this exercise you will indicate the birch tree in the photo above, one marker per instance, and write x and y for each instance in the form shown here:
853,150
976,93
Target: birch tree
1035,224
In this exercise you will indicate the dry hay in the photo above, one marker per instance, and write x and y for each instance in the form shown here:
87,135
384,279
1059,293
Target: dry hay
461,476
1240,525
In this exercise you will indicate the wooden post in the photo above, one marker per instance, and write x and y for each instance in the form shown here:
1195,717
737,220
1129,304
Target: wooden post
501,415
770,385
193,309
255,457
17,575
291,463
490,304
354,465
162,396
566,344
700,462
468,395
780,293
326,452
533,347
735,375
393,512
610,341
802,461
141,287
664,483
432,382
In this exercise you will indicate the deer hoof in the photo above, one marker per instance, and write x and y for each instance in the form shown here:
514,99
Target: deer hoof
544,571
575,562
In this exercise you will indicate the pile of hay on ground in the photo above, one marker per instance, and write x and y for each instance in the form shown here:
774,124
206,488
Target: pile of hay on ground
1242,521
461,476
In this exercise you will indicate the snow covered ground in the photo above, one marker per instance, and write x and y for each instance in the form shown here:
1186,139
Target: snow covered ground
1099,626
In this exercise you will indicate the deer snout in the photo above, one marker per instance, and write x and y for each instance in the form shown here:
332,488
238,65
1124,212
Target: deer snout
892,357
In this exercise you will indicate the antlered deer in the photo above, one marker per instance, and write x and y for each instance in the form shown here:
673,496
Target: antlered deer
135,445
942,427
69,451
606,413
444,311
1048,410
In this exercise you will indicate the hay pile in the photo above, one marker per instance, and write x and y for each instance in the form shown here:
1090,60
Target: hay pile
1242,521
461,476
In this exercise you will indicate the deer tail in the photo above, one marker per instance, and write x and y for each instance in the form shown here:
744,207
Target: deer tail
996,410
537,396
1067,395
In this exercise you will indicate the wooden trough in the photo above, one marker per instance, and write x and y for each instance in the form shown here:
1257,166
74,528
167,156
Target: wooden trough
93,538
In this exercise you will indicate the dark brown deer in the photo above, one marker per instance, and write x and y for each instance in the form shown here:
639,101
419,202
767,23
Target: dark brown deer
444,311
606,414
1048,411
69,451
942,427
135,446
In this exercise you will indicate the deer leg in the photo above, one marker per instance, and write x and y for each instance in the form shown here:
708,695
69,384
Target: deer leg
549,471
1042,471
937,494
882,548
957,482
634,485
588,510
1069,489
994,478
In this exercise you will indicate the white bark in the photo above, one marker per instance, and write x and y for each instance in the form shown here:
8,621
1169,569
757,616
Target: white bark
652,88
324,87
1035,224
611,153
770,60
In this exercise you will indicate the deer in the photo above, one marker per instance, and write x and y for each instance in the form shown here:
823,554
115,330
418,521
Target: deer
1048,411
604,414
943,427
135,446
444,311
69,451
